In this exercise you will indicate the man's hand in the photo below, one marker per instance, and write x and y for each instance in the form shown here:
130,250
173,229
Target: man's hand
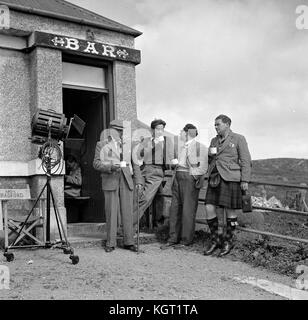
139,186
115,167
244,186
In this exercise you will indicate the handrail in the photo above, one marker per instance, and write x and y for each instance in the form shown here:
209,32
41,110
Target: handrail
294,212
277,184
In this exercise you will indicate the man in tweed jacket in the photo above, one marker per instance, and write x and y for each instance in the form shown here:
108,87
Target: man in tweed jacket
230,166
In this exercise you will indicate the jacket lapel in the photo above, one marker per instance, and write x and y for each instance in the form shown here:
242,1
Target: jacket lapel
225,143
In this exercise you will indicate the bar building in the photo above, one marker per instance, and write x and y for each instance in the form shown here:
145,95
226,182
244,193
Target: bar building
56,55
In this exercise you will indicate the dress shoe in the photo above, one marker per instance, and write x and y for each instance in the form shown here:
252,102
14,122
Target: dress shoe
226,248
131,248
211,248
109,249
168,245
182,245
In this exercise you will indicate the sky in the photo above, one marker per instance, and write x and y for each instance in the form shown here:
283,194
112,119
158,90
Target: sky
200,58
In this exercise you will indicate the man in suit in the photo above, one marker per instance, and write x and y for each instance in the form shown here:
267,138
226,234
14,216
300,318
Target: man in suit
191,168
229,174
156,154
117,184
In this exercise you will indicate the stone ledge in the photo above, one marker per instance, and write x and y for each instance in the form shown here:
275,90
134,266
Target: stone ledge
88,242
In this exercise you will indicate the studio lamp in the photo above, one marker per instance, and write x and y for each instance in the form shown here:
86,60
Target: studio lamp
48,128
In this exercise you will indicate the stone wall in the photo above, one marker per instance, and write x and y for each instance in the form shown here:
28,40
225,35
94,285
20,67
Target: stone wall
14,106
32,81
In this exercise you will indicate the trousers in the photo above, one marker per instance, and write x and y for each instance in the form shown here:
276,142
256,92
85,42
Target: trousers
153,177
183,209
119,201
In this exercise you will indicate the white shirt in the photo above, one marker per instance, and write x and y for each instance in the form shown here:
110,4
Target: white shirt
183,165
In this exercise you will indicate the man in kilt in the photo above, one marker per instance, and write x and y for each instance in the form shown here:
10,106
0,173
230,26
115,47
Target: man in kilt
229,173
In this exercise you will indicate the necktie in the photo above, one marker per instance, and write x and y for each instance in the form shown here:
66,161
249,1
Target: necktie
119,147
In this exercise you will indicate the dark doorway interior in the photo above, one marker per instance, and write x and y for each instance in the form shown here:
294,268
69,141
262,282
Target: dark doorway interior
91,107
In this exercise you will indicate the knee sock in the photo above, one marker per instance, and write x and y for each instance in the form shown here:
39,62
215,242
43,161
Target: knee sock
213,225
231,225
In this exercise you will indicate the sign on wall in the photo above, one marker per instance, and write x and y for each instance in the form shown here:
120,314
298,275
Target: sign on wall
14,194
87,47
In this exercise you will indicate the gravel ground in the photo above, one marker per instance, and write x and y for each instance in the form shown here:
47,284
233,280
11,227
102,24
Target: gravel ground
154,274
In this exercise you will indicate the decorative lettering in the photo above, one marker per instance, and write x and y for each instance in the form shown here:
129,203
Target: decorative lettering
108,51
72,44
91,48
82,46
59,41
122,53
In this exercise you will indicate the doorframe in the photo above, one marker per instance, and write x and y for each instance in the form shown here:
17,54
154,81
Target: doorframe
95,62
103,122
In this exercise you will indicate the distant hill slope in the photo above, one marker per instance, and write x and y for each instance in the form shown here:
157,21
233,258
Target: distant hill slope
285,170
281,170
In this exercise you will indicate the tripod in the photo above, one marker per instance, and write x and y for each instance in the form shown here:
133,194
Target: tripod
62,244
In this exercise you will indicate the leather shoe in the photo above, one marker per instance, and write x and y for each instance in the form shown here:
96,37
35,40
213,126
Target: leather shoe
182,245
226,248
167,245
109,249
131,248
211,248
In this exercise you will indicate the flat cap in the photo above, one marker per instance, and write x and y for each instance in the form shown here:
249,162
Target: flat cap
157,122
116,124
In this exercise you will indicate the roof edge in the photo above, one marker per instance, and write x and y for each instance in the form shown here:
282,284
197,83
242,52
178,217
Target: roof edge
59,16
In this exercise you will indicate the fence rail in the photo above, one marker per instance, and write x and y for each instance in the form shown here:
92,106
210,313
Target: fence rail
265,233
277,184
277,210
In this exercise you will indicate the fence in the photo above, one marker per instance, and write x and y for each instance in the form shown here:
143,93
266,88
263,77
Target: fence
266,233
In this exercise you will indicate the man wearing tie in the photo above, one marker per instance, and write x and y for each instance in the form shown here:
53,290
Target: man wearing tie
157,153
117,183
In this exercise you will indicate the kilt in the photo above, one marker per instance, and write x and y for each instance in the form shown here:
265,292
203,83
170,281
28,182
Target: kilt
227,194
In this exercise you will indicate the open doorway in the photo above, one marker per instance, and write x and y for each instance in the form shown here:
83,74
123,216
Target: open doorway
91,107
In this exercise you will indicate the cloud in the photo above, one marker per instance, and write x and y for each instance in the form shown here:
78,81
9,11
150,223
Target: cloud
242,58
201,58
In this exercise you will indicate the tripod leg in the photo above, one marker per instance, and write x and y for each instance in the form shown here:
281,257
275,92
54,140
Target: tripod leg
138,218
48,245
68,249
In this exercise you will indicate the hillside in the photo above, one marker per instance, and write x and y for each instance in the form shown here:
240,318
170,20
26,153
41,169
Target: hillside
285,170
281,170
